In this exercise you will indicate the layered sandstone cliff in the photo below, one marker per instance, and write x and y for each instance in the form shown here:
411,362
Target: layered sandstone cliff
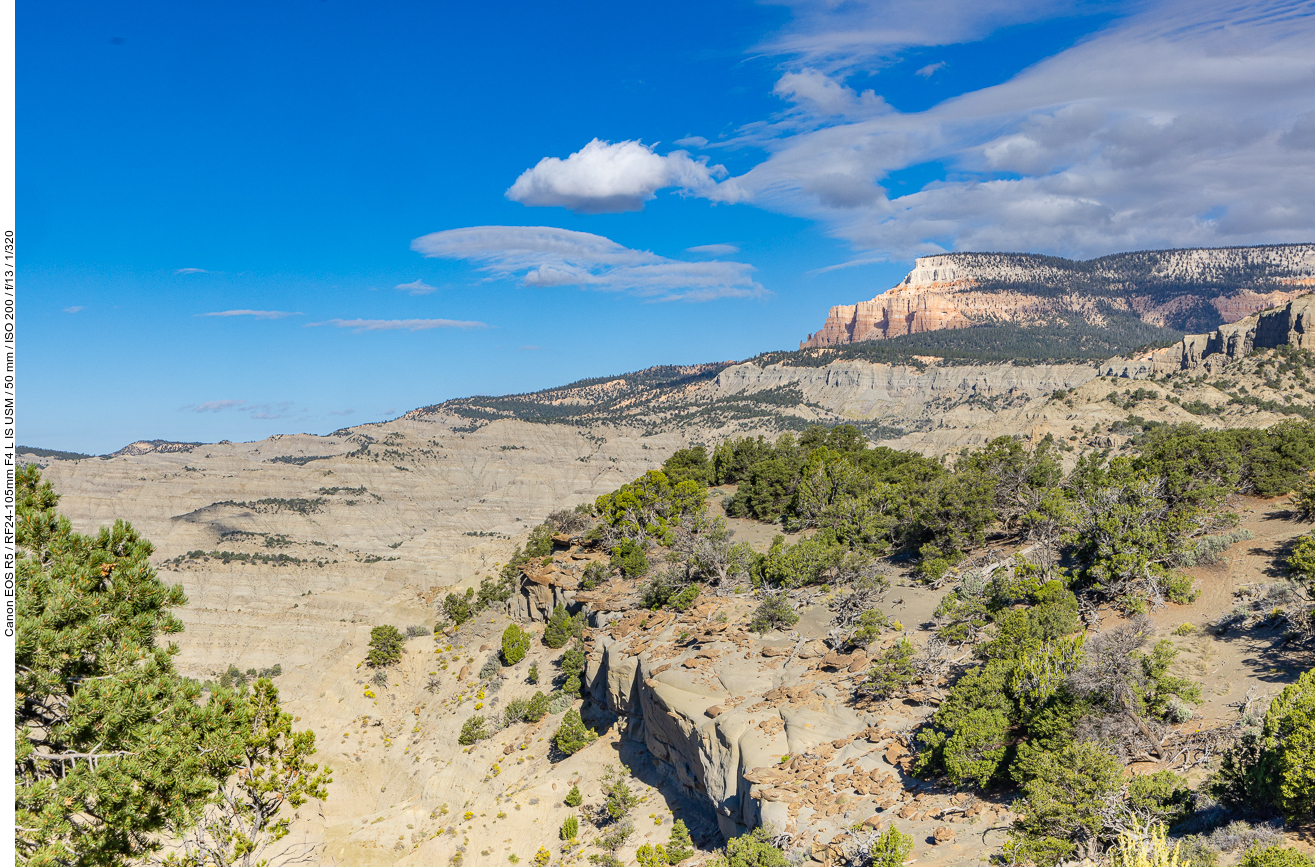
1180,289
1293,324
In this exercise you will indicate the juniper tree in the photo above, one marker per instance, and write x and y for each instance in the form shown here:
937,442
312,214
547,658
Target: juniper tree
112,745
247,824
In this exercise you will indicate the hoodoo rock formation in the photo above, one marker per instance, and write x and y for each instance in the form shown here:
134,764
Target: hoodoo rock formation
1188,290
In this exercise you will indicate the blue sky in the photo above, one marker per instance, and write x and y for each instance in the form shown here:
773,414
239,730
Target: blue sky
394,204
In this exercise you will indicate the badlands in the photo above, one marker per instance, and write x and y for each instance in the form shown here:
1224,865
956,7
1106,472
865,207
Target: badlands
292,548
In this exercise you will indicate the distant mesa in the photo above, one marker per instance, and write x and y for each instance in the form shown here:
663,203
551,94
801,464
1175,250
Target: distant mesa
1184,290
146,447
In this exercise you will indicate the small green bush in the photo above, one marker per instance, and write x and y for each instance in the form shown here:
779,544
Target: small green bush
892,672
536,708
561,628
891,849
618,800
573,797
753,849
629,557
1274,856
385,646
572,735
515,644
570,828
679,844
533,675
472,731
774,613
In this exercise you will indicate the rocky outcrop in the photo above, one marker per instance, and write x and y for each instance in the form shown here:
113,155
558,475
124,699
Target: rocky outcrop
1293,324
763,729
1181,289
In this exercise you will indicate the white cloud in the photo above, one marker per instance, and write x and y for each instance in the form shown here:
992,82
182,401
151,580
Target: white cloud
529,348
831,35
214,405
191,271
714,249
347,411
359,325
692,141
606,178
930,69
1178,124
258,314
544,256
76,309
418,287
820,95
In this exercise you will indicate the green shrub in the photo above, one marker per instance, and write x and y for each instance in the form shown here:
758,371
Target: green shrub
753,849
975,754
536,708
570,828
629,557
572,735
679,844
891,672
561,628
573,797
1064,803
1162,797
459,609
533,675
1302,561
774,613
1274,856
616,835
690,464
385,646
891,849
472,731
515,644
650,855
618,800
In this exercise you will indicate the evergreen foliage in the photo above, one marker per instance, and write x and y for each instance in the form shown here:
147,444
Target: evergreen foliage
112,747
618,800
573,797
385,646
250,818
753,849
679,844
572,735
891,849
472,731
562,627
570,828
515,644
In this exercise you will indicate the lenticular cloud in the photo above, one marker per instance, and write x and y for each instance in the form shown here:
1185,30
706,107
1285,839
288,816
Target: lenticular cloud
545,257
607,178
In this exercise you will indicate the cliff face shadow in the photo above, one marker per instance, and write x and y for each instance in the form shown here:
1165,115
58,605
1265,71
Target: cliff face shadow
693,810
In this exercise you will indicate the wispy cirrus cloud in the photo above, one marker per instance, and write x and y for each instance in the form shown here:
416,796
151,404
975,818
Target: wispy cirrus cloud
1176,124
191,271
416,287
212,406
282,409
611,177
543,256
360,325
256,314
347,411
76,309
